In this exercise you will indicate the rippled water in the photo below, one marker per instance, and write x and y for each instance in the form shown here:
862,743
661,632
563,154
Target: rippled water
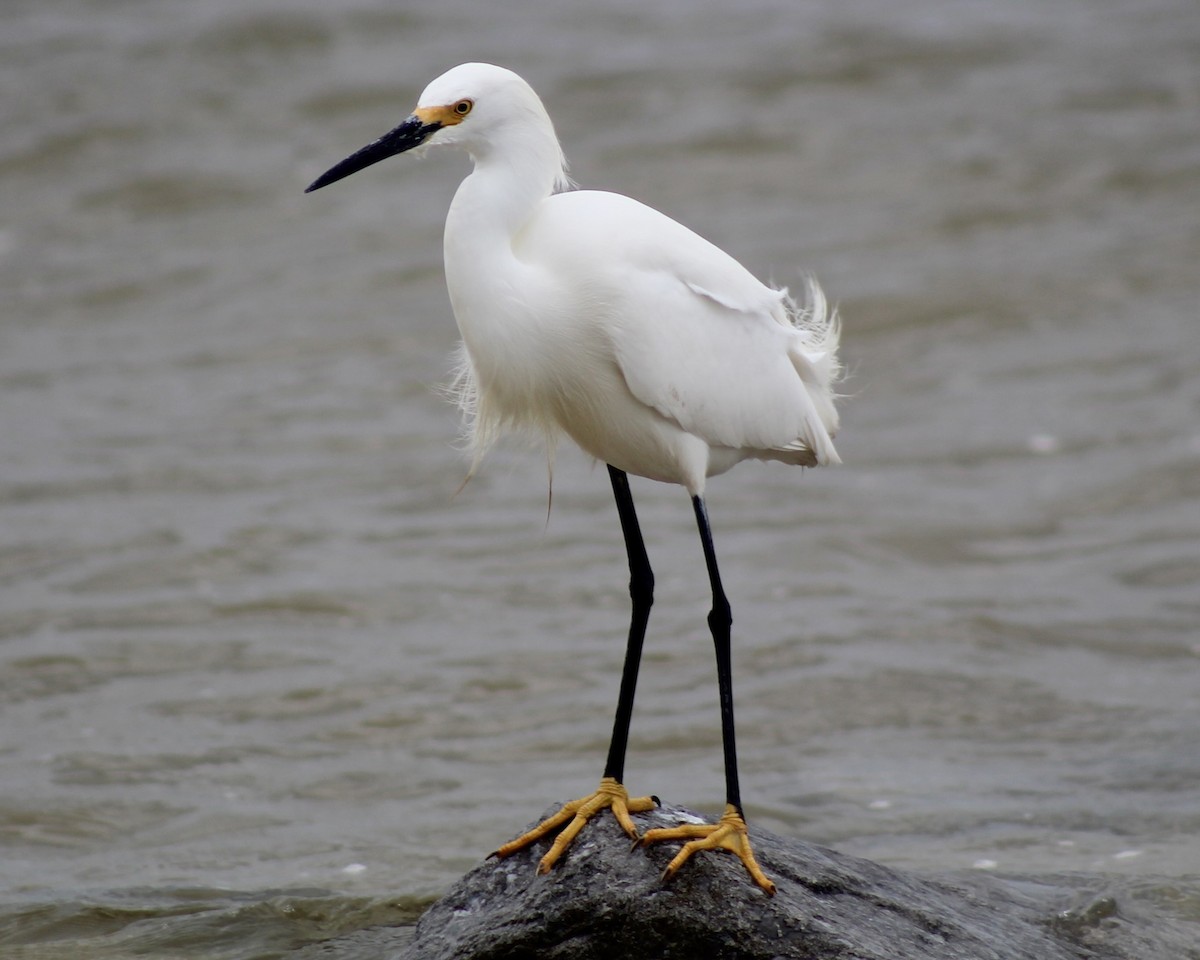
264,681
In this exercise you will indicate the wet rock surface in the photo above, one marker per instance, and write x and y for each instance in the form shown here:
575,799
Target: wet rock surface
604,900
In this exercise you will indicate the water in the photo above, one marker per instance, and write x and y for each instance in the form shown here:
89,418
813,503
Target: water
264,681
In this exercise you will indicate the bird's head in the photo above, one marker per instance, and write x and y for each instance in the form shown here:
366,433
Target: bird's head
466,106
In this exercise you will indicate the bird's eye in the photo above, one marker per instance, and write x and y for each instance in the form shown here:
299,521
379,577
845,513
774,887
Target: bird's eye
463,107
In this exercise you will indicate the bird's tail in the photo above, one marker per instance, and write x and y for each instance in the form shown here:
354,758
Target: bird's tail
814,353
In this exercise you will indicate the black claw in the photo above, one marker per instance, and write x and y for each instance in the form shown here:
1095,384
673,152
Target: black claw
657,802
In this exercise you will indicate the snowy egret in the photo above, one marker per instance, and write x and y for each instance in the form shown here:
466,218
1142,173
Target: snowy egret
590,314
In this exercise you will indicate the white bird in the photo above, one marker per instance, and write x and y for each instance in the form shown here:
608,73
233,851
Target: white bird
590,314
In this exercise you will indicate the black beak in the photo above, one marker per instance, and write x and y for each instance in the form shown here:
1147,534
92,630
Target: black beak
411,133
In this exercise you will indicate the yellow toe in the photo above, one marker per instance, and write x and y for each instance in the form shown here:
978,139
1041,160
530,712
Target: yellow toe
729,834
610,794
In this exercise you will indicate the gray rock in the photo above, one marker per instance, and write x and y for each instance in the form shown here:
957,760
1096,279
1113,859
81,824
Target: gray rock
604,900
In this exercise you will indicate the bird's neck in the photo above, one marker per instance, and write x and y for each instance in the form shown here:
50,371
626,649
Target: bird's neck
489,211
509,180
486,277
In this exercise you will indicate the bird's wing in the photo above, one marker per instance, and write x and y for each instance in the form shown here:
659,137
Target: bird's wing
732,374
700,340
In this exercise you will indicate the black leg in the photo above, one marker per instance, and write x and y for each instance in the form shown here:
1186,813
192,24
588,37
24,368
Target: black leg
730,832
720,618
641,592
572,817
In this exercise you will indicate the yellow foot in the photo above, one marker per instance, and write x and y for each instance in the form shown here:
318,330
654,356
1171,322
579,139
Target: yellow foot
729,833
610,794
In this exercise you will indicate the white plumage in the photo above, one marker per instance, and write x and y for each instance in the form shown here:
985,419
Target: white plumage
593,315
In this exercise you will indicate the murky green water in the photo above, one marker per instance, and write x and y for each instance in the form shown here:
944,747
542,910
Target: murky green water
263,682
